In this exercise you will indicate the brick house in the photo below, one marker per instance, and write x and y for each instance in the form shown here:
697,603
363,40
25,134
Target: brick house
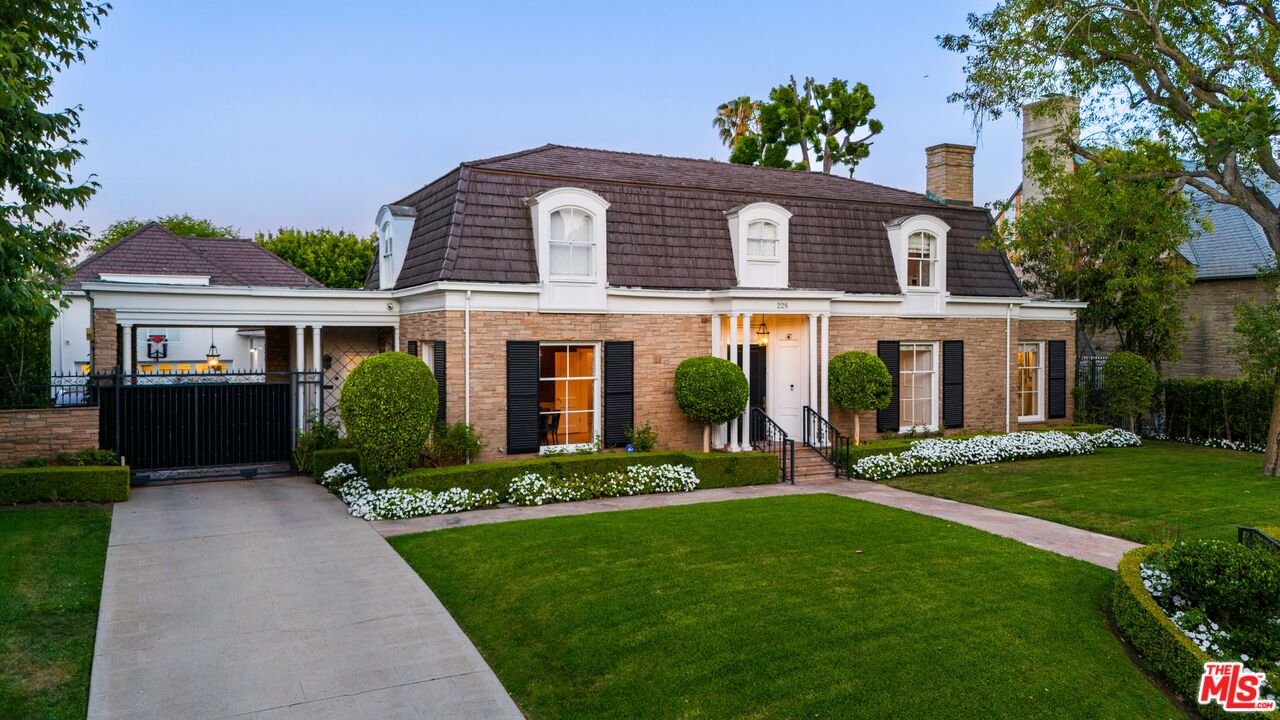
553,292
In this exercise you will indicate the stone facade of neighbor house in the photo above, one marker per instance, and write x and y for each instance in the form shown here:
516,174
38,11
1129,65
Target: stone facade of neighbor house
45,432
1210,327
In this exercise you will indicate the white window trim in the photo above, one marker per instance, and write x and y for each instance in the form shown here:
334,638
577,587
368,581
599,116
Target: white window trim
590,293
899,231
740,218
777,243
932,260
596,411
395,230
1040,382
936,400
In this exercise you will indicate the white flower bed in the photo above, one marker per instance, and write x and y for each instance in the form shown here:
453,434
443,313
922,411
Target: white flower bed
1220,443
533,489
529,489
935,455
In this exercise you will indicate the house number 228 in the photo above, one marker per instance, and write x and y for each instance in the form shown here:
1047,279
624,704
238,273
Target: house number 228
782,306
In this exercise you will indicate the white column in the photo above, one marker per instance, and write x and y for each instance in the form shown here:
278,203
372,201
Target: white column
813,361
825,387
733,358
717,432
300,357
317,365
395,338
127,331
746,370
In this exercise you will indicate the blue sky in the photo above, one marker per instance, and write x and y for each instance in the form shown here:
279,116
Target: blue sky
269,114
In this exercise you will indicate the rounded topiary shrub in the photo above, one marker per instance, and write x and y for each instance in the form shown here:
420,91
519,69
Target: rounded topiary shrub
1232,582
859,381
388,405
1130,384
711,390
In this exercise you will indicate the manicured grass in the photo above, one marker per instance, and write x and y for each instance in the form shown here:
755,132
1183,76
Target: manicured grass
1146,494
803,606
51,562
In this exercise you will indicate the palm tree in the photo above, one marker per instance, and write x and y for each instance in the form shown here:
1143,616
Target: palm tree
736,118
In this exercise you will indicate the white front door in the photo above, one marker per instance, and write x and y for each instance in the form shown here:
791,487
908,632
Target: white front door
787,381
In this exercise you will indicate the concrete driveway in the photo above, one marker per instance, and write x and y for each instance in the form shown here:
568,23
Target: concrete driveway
264,599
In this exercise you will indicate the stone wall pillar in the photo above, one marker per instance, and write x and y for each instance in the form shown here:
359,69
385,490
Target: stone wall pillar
105,346
275,343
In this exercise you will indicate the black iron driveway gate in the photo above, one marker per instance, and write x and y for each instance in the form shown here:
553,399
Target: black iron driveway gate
161,422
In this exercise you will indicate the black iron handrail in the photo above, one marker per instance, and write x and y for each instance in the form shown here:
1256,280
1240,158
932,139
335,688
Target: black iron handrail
768,436
827,441
1253,537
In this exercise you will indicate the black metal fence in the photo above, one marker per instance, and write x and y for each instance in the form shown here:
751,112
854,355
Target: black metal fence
45,390
768,436
1255,538
829,442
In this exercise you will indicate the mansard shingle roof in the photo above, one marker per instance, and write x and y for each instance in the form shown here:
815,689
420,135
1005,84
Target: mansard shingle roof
666,224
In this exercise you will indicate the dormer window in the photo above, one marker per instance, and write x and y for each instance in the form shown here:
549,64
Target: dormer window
395,227
921,256
762,240
759,233
387,243
571,243
569,234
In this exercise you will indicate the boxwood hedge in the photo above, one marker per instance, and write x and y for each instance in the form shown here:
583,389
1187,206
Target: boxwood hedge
714,470
1165,648
64,484
322,460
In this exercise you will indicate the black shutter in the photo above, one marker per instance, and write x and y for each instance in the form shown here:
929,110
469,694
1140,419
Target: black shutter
619,393
887,419
522,396
413,348
953,383
437,366
1057,378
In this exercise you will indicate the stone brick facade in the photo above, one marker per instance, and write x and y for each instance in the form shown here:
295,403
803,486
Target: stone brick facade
45,432
276,344
1210,327
106,342
949,172
662,341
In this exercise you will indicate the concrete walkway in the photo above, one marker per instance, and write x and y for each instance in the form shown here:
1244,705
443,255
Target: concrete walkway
264,599
1098,549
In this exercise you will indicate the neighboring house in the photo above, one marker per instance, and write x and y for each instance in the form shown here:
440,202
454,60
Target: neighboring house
154,255
554,291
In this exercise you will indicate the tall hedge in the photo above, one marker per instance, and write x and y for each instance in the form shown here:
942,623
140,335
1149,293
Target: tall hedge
388,405
1130,383
87,483
1215,408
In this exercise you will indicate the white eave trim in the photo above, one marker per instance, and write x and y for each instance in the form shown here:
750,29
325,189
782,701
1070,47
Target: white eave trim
154,279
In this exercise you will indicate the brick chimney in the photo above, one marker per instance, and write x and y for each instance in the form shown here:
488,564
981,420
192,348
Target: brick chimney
1043,124
949,173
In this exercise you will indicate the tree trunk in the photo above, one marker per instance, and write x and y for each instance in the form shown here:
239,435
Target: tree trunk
857,429
1272,463
706,438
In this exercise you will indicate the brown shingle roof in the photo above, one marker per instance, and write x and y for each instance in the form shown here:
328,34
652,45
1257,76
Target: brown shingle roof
666,224
154,250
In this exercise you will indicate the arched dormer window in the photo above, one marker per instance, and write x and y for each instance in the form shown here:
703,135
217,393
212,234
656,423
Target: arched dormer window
922,254
395,227
760,233
919,246
569,237
387,246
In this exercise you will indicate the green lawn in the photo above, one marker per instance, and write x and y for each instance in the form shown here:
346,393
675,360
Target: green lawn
51,562
1146,494
803,606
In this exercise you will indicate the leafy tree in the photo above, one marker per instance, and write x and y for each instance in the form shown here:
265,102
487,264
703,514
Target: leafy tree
1258,351
184,225
710,390
821,119
1108,233
1199,74
736,118
39,38
337,259
859,381
1130,384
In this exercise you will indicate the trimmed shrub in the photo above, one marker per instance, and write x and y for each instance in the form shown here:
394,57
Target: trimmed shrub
642,438
64,484
322,460
454,444
1217,409
1130,384
714,470
859,381
388,405
320,436
1231,582
710,390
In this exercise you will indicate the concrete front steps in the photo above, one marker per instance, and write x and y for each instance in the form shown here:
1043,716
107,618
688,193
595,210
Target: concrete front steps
812,467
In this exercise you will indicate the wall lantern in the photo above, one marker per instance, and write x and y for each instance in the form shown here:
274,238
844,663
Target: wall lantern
762,334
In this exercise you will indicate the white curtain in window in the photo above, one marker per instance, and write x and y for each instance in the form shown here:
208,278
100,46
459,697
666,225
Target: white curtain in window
571,242
762,239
